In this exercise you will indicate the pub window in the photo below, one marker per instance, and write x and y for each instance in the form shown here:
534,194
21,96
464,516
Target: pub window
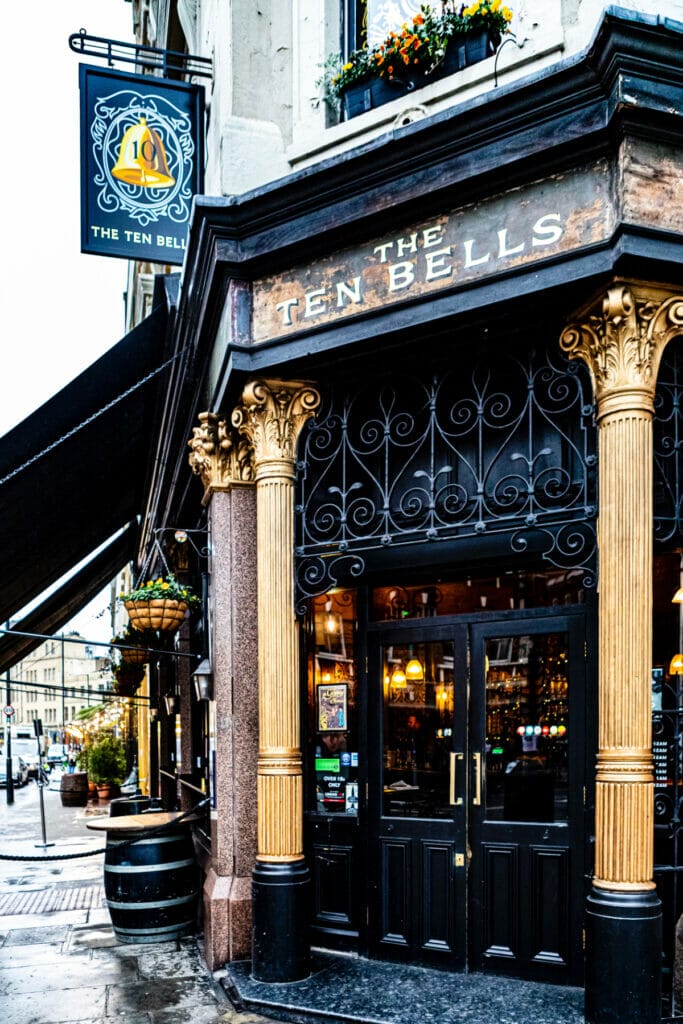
332,703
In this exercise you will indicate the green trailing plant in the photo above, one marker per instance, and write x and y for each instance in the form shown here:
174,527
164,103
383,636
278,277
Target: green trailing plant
107,761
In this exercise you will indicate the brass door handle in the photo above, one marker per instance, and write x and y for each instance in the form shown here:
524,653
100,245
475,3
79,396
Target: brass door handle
452,799
476,800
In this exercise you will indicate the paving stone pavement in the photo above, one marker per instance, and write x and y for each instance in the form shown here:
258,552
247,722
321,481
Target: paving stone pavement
60,962
78,973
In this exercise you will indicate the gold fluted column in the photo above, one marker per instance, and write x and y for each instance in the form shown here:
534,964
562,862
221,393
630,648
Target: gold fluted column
622,342
271,416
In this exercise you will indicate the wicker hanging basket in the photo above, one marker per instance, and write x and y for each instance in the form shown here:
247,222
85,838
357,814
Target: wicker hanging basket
127,678
158,613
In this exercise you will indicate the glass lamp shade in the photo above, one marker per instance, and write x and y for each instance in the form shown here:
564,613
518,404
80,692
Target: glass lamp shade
676,666
398,679
414,669
678,596
202,679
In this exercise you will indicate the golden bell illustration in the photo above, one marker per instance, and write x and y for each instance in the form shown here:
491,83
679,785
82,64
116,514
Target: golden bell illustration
142,158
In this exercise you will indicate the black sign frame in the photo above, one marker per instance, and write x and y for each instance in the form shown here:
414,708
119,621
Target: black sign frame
154,118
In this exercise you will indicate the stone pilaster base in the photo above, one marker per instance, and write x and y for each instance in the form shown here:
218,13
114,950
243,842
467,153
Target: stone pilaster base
227,919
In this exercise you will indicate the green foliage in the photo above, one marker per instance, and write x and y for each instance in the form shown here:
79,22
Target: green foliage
417,48
107,760
162,587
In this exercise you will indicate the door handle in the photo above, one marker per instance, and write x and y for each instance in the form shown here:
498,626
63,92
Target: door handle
452,799
476,800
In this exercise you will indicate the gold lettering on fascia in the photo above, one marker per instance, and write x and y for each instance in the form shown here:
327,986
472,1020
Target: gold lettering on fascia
421,257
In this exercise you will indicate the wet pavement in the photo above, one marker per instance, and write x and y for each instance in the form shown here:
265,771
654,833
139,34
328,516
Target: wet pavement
60,962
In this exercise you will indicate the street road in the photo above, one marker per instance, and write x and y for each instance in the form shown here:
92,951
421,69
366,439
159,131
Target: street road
20,831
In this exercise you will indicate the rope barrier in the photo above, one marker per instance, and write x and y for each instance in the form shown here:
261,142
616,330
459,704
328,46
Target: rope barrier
145,834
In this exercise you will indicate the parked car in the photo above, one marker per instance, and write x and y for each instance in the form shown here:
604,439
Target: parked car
56,754
19,771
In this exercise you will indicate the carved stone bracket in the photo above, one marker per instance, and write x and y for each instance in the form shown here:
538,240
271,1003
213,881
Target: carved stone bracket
272,415
218,457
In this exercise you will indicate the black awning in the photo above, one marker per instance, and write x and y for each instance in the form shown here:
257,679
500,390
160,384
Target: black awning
73,473
60,607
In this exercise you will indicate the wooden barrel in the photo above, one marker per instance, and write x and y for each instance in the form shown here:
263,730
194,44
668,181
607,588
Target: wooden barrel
152,887
73,789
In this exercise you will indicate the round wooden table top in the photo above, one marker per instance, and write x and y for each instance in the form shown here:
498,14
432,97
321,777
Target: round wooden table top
137,822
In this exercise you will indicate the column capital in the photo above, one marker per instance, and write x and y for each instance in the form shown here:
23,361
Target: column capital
220,458
271,417
621,339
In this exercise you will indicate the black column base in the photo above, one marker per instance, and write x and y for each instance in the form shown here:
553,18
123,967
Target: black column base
280,947
623,957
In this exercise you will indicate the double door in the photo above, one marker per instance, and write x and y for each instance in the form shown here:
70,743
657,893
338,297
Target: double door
475,794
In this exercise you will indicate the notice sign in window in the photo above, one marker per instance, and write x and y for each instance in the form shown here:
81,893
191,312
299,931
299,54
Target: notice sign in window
141,164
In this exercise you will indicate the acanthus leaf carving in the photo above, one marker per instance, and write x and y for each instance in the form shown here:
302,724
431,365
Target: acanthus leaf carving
272,415
623,343
217,456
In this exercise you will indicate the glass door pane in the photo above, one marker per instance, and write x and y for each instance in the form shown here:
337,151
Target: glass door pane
527,716
418,703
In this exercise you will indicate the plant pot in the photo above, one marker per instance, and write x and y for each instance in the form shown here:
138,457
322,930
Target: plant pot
127,678
92,791
158,613
104,791
374,92
464,49
135,657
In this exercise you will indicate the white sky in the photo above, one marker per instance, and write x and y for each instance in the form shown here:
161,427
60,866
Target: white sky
59,310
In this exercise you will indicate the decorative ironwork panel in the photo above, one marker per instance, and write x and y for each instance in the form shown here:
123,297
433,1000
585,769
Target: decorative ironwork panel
502,445
668,446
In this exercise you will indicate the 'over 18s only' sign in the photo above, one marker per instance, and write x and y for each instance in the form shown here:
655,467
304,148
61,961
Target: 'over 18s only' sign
141,164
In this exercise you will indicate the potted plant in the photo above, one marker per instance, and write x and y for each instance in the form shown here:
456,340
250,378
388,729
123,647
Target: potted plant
160,604
430,46
83,765
133,644
127,678
107,764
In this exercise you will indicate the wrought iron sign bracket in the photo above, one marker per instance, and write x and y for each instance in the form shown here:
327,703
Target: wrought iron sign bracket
146,58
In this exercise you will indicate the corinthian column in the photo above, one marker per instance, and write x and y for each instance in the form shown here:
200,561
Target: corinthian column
621,342
271,417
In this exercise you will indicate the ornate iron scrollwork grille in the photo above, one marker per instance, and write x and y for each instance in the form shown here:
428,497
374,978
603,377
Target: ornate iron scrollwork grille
504,445
668,447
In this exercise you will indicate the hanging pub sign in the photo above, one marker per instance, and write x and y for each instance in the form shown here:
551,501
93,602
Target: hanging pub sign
141,164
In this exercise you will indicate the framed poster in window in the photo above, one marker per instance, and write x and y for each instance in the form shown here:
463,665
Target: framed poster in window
332,707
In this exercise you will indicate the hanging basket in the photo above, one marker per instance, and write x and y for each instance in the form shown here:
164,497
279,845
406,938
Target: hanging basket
157,613
127,678
134,657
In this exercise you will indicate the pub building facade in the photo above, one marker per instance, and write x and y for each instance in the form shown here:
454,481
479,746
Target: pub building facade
431,388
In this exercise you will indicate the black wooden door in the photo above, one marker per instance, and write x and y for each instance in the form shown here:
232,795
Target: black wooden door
475,794
417,797
527,786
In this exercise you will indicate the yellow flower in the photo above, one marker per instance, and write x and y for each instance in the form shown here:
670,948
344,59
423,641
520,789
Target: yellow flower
160,579
507,13
165,586
347,67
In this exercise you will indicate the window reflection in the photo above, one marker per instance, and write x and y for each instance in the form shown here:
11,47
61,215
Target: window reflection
332,703
527,692
417,734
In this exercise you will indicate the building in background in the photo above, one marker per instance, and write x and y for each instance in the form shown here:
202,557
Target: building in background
56,681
